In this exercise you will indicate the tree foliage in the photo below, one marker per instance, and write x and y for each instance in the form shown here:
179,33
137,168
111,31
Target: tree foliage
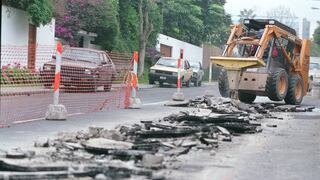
99,16
246,14
216,22
182,20
315,49
122,27
40,12
316,34
128,22
196,21
284,15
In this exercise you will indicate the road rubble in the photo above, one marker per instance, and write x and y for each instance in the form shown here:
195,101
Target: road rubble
140,150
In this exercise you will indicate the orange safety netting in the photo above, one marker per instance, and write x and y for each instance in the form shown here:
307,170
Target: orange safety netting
91,80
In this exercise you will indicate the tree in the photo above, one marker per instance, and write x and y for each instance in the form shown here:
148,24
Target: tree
315,49
246,14
99,16
316,34
148,13
284,15
129,26
40,12
215,20
182,20
196,21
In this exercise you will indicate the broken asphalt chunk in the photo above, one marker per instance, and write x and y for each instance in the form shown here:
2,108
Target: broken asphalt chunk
102,145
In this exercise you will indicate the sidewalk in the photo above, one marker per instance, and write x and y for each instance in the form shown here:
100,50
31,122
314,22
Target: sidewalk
14,91
17,91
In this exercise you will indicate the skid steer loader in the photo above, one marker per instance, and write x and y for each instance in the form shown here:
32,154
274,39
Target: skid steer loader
264,57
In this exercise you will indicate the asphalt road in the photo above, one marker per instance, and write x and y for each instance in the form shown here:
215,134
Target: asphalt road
17,109
81,117
289,151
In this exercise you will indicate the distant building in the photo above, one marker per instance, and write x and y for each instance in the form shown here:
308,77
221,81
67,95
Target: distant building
171,47
305,29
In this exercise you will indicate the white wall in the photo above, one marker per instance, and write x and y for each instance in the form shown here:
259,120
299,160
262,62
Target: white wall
14,26
14,31
190,51
15,34
45,34
45,43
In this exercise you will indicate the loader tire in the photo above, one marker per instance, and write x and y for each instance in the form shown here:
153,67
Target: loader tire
224,84
295,91
246,97
277,84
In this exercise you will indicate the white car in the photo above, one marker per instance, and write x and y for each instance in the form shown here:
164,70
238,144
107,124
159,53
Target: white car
197,73
314,71
166,71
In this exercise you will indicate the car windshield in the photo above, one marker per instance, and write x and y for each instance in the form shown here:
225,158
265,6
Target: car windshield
82,55
314,66
195,65
167,62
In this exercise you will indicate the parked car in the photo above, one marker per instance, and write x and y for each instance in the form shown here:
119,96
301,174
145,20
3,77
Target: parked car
166,71
314,73
197,73
85,69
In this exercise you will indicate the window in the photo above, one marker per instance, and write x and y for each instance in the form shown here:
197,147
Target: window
82,55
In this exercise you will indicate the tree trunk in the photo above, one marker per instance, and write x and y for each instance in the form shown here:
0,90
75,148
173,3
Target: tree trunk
142,55
146,28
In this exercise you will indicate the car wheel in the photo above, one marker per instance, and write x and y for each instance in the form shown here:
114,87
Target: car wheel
107,88
188,83
151,81
196,83
181,82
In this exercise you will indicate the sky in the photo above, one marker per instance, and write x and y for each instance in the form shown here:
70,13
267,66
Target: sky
301,8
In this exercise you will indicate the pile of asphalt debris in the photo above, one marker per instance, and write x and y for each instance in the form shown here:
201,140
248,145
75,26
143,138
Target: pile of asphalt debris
139,150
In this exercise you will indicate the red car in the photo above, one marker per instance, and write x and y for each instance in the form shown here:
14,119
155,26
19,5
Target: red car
81,68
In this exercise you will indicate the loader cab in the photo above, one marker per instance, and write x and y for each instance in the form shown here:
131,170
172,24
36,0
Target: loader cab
249,43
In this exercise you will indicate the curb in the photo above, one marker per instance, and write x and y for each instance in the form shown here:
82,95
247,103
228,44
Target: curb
26,93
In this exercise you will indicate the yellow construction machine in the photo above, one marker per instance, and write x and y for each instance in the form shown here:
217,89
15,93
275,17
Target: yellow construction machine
264,57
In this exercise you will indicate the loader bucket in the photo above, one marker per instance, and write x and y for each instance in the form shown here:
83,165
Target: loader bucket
236,63
234,67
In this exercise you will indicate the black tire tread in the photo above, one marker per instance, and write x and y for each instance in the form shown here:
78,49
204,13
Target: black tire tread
246,97
290,97
223,84
271,85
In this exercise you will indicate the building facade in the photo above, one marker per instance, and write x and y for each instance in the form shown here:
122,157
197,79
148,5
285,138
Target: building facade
23,43
171,47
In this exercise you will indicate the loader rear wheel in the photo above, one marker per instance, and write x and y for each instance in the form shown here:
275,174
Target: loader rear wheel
295,90
224,84
246,97
277,84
